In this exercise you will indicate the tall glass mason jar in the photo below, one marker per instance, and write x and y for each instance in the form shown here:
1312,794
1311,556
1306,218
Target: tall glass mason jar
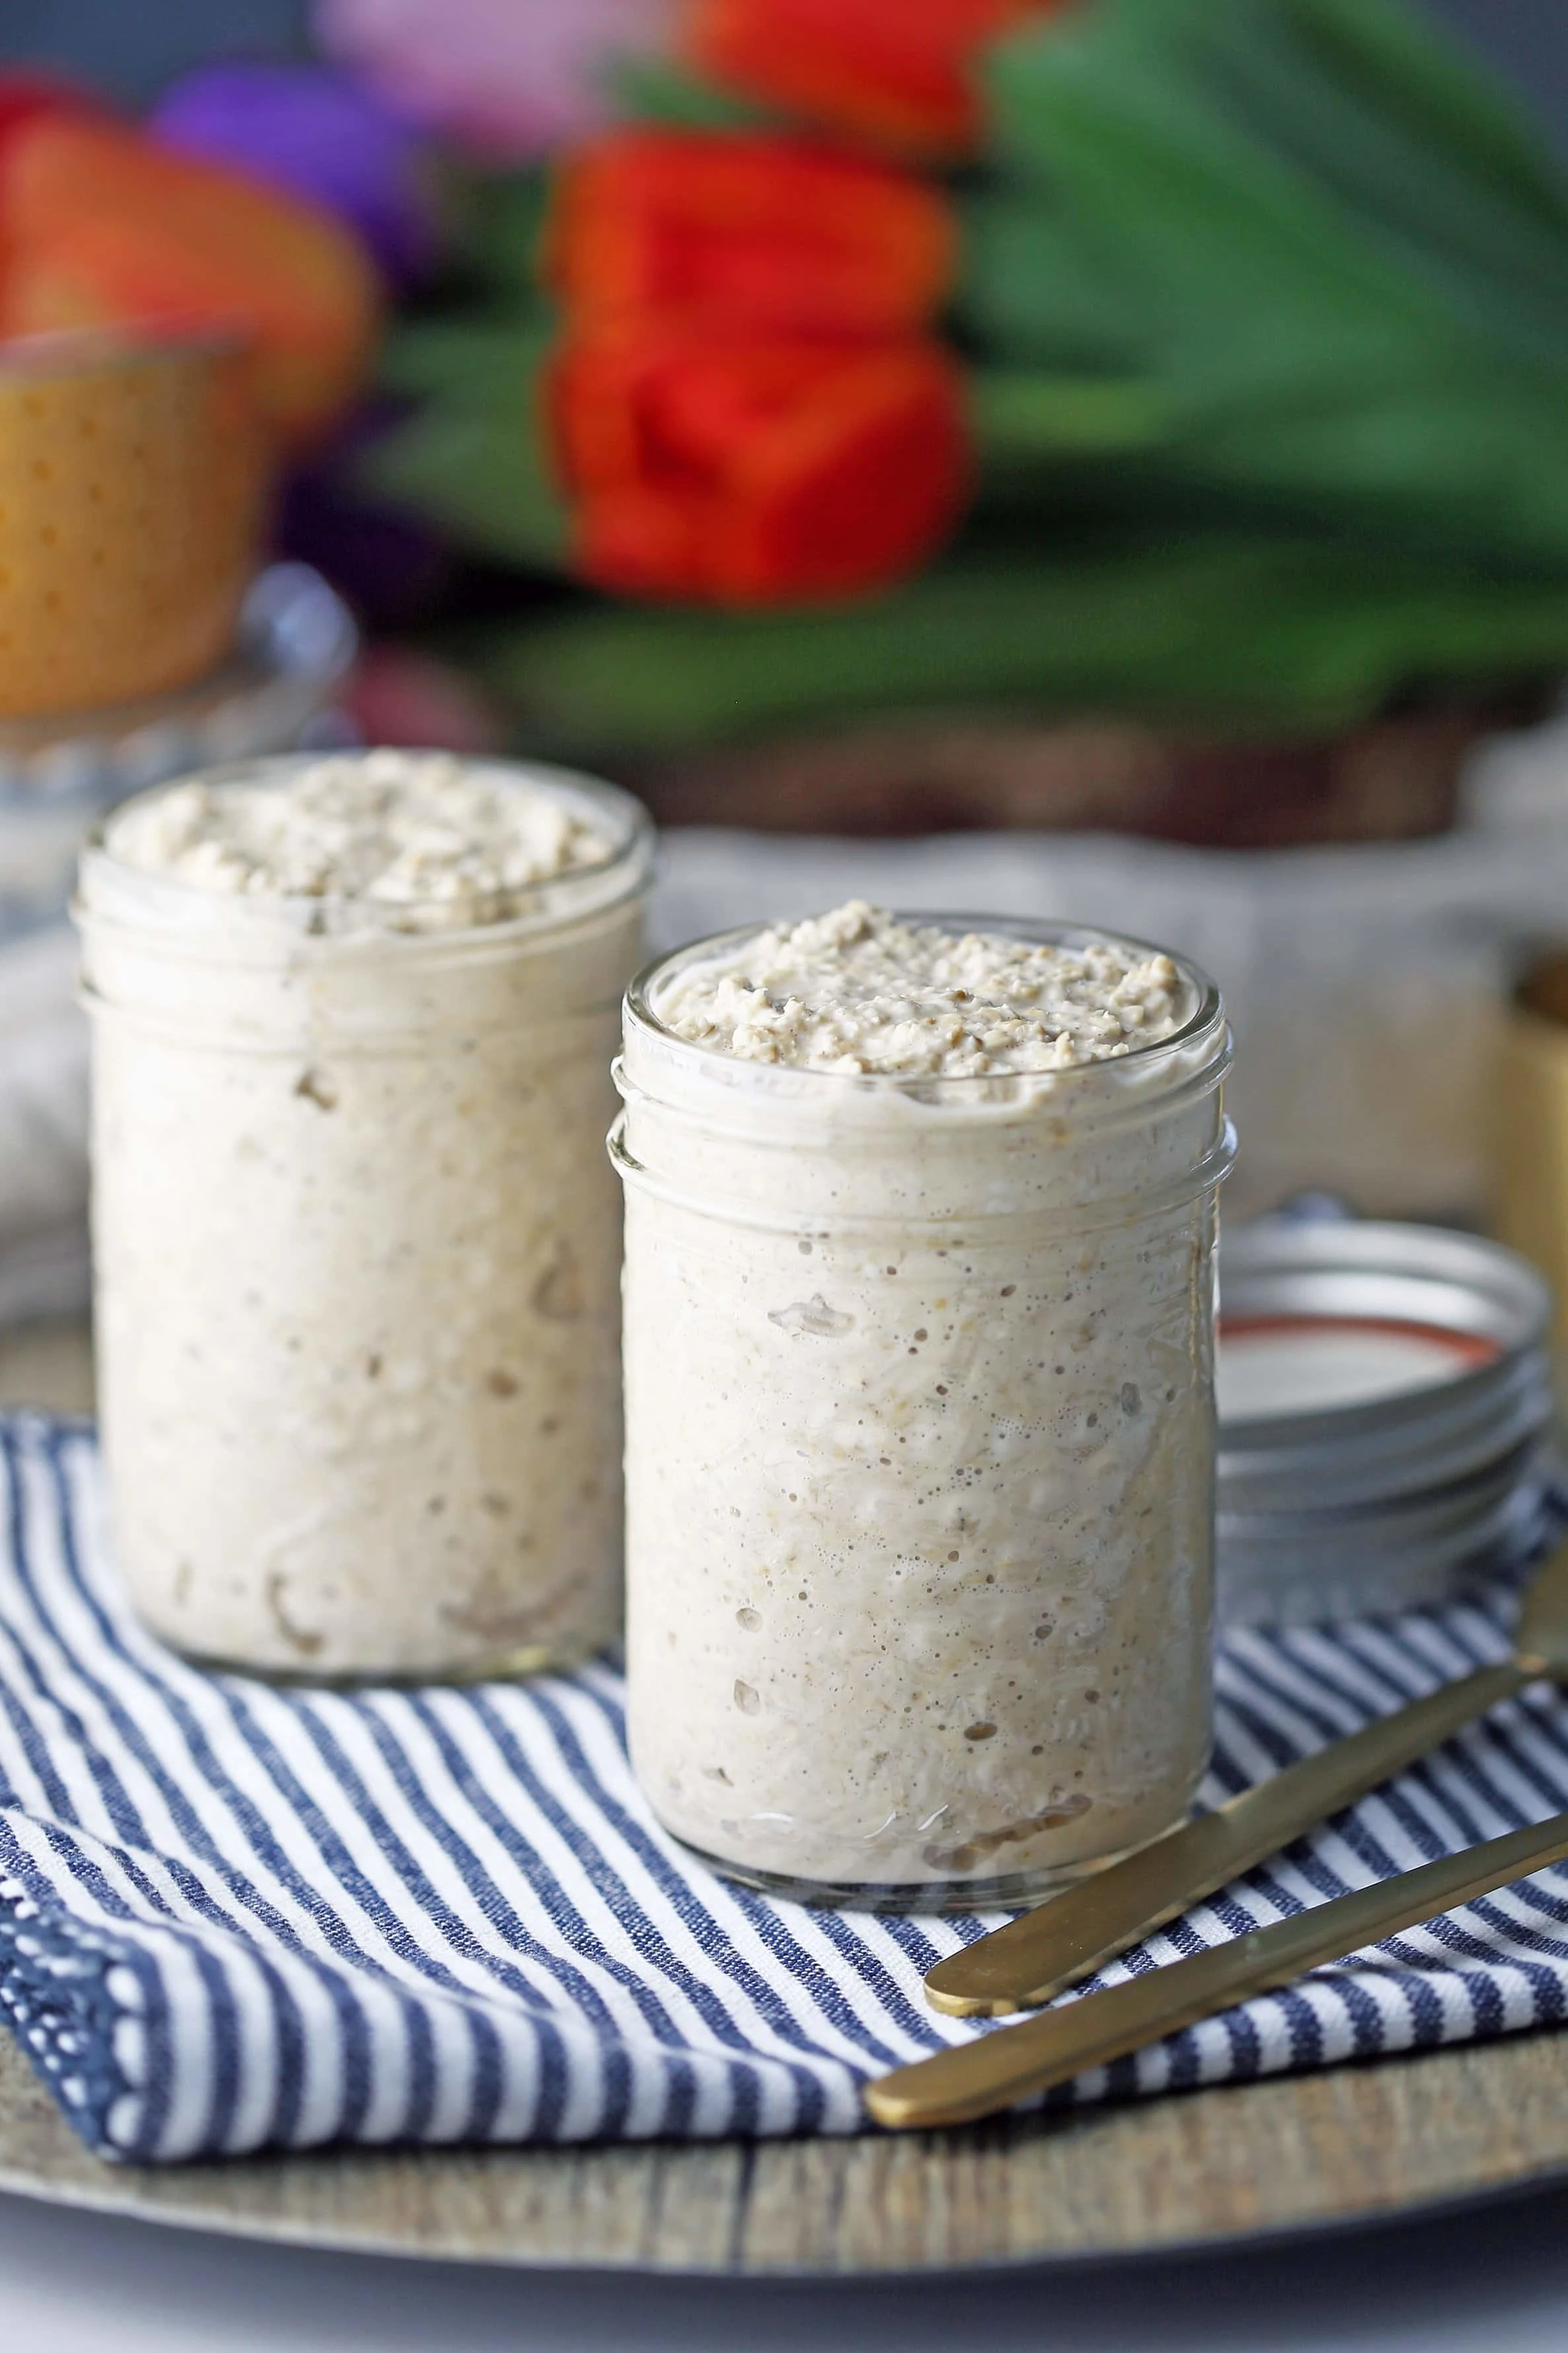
357,1253
920,1455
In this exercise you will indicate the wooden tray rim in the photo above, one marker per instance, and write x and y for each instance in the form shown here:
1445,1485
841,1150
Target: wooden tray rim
1233,2165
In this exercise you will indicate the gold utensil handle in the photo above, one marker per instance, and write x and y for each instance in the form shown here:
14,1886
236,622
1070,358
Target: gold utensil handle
1001,2068
1023,1965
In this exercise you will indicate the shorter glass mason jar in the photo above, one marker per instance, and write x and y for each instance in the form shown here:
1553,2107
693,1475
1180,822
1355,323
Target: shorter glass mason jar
356,1262
920,1456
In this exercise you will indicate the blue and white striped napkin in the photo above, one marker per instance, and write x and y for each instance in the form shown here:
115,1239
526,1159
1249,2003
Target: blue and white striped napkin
233,1916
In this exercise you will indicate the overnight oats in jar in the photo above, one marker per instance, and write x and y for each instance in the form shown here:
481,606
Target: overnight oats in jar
356,1248
918,1346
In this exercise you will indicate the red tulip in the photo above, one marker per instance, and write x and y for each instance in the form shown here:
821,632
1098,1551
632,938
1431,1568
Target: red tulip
25,97
767,230
741,467
105,229
897,71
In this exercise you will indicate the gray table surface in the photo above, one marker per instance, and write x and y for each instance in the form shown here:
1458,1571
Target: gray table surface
1489,2282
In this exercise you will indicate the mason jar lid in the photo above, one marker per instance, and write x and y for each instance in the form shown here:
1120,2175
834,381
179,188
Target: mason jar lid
1384,1399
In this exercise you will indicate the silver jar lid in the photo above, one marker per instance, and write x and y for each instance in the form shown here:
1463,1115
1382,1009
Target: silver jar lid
1385,1404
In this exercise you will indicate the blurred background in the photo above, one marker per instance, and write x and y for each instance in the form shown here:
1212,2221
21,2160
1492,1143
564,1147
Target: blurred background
1106,460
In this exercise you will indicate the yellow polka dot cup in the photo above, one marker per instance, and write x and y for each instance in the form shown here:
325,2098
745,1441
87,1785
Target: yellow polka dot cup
133,480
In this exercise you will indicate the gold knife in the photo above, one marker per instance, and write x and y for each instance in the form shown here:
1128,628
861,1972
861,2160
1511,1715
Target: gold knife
1023,1965
1000,2069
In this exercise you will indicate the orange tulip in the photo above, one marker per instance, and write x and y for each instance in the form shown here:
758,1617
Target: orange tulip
769,230
895,72
739,466
104,230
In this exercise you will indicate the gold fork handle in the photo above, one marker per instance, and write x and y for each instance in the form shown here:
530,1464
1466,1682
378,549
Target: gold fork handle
1023,1965
999,2069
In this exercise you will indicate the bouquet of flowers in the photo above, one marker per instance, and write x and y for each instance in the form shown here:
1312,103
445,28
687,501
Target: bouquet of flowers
1202,362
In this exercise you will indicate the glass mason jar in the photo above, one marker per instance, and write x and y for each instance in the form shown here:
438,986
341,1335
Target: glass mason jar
356,1262
920,1456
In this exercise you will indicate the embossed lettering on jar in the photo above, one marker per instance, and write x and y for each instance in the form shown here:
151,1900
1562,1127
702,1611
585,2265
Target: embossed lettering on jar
357,1252
918,1366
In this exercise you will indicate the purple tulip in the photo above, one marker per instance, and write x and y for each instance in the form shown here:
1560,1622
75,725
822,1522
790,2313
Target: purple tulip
311,129
392,567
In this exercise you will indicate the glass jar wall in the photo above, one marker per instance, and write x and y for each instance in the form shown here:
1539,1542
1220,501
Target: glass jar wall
920,1457
357,1256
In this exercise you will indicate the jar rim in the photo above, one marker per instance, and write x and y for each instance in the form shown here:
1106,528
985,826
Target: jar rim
57,353
177,907
1207,1015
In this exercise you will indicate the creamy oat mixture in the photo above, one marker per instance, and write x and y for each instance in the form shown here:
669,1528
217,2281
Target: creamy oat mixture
920,1412
435,842
858,991
357,1248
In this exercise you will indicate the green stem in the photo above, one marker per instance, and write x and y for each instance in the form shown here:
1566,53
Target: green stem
1022,421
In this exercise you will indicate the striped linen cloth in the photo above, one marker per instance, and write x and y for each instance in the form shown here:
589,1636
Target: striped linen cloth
233,1916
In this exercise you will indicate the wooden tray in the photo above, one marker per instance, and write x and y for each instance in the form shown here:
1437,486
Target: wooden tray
1354,2144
